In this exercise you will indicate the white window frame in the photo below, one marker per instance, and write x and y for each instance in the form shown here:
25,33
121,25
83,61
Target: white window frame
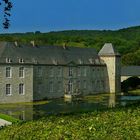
8,89
70,86
8,60
8,73
21,72
21,89
21,60
70,71
85,71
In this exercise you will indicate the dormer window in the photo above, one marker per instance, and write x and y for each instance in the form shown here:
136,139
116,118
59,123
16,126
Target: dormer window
21,60
80,61
54,62
8,60
97,61
91,61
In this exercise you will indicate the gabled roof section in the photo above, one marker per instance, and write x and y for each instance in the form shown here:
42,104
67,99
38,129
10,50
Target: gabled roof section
108,50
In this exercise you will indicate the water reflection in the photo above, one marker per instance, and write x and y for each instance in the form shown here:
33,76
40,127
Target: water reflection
87,103
112,100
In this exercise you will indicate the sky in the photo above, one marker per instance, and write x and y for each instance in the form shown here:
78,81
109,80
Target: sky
56,15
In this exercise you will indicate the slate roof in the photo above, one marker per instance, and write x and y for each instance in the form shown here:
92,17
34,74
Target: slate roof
130,71
47,54
108,49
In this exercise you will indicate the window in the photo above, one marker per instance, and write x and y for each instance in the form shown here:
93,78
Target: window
22,115
70,71
21,72
103,84
78,84
91,61
8,60
39,87
85,85
80,61
59,86
39,72
93,85
59,72
8,89
51,86
21,89
85,71
70,86
51,72
21,60
79,71
8,72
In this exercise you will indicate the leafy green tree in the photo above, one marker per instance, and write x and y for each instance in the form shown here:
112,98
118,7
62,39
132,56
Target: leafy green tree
7,9
130,83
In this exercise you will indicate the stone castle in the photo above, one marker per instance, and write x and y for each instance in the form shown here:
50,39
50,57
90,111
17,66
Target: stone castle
29,72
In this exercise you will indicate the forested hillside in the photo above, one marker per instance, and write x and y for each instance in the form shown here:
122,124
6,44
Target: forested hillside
126,41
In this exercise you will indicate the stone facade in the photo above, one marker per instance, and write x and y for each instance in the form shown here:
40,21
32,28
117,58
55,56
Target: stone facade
14,80
72,71
54,81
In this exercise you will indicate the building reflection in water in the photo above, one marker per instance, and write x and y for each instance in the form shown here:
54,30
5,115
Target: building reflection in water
112,100
34,111
22,112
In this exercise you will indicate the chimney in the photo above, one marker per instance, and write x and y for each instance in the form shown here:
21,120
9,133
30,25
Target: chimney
16,44
33,43
64,46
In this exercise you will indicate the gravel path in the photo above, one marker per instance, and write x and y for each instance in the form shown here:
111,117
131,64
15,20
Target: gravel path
4,123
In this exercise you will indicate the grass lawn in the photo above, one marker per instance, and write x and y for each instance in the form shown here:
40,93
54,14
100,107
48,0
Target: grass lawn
112,124
8,118
134,92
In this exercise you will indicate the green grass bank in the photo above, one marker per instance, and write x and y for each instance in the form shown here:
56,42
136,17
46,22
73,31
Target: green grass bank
9,118
113,124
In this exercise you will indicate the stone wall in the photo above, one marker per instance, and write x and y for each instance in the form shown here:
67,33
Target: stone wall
44,81
85,79
114,72
15,80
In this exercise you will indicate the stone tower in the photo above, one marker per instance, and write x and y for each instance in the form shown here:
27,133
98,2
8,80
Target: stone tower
112,60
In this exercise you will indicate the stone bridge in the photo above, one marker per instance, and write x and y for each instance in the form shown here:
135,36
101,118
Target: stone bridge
129,71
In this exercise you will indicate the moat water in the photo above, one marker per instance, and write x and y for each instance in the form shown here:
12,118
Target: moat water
31,111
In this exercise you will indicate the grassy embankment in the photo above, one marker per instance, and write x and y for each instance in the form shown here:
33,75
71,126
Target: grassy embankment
8,118
134,92
112,124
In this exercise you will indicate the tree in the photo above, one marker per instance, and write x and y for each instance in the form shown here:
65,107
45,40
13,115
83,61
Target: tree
7,9
130,84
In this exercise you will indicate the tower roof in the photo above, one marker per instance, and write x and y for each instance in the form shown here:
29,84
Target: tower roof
108,49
